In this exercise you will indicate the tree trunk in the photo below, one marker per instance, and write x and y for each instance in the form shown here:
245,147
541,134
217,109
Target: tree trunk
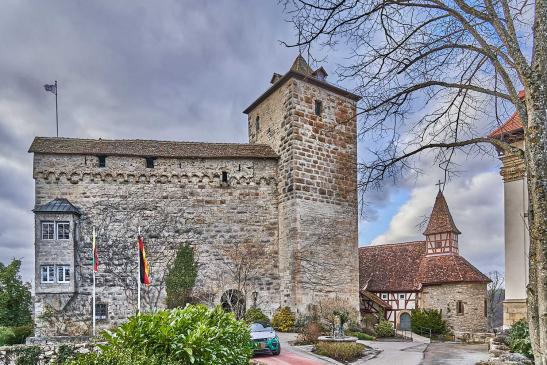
536,157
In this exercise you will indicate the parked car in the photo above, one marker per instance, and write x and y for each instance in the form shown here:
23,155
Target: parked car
265,339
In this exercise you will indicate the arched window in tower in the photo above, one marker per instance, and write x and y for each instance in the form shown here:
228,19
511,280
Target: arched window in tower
257,123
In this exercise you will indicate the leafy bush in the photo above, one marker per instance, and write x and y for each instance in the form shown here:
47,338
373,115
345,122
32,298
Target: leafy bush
283,319
361,336
519,339
340,351
193,335
14,335
28,355
15,297
423,320
6,336
384,328
309,334
112,356
255,315
64,354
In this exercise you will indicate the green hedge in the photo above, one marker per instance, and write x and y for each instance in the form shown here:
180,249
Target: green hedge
340,351
423,320
255,315
194,335
384,328
14,335
361,336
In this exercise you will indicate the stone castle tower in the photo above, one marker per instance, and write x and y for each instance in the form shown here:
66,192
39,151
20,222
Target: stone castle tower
311,125
291,193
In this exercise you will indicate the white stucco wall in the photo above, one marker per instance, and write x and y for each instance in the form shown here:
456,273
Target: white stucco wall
516,239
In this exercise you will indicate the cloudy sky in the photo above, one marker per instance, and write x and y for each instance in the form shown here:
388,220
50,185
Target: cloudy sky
183,70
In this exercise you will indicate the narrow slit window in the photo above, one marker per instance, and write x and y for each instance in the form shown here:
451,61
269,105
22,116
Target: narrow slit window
102,161
318,107
224,176
150,161
459,307
257,123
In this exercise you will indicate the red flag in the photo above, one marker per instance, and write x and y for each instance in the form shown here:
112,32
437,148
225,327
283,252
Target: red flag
144,269
95,254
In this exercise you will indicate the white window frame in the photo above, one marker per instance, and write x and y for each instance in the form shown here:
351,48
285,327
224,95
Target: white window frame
384,296
58,231
49,271
63,273
401,296
44,223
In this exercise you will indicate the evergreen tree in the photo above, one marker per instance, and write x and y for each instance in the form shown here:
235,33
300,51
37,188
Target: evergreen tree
15,297
181,277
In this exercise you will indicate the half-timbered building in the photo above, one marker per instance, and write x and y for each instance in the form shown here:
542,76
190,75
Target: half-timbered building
431,274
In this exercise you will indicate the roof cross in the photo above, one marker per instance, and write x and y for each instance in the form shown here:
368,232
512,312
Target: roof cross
439,184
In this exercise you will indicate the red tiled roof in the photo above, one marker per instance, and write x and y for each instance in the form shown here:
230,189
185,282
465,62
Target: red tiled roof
449,268
405,267
511,127
440,220
391,267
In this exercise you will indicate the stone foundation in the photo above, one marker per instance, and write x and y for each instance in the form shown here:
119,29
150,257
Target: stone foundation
514,310
48,351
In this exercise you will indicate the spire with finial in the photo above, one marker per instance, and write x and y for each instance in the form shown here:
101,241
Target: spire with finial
441,232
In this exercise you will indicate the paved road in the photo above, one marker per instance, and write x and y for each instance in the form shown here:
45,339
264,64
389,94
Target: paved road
397,353
289,355
454,354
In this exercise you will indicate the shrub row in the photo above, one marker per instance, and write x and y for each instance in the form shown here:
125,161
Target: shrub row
340,351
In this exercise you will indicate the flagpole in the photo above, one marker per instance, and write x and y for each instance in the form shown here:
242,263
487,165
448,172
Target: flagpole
139,272
94,303
56,109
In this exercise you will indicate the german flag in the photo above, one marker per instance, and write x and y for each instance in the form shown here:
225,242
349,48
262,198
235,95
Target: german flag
144,269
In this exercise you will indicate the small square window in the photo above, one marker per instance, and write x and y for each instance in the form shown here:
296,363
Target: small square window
150,162
384,296
63,230
401,296
102,161
48,230
101,311
318,107
63,273
47,273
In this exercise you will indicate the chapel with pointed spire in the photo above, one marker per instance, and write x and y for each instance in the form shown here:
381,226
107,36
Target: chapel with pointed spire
429,274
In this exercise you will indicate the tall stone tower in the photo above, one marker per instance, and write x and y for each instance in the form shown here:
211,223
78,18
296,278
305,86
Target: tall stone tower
311,124
517,240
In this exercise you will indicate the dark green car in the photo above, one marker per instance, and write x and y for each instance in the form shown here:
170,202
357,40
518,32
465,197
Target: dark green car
265,340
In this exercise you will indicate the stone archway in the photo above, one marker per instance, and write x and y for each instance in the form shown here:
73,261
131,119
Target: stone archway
233,300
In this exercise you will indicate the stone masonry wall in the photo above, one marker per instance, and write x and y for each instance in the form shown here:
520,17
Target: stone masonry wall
444,298
317,185
176,202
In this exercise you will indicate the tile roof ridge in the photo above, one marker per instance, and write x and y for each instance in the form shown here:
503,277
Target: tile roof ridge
148,140
394,244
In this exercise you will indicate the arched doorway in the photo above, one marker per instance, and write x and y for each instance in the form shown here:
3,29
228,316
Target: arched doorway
404,322
233,301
